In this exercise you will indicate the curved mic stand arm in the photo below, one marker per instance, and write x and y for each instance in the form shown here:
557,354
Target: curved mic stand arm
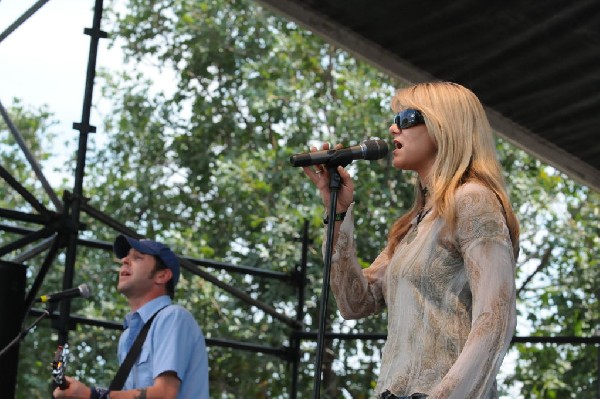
334,185
24,332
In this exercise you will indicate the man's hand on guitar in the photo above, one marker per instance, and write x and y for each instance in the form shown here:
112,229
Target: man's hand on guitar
66,387
75,390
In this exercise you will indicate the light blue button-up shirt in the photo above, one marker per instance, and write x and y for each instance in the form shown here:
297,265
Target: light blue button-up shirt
174,343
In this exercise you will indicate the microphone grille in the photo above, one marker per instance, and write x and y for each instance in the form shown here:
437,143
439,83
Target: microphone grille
85,290
375,149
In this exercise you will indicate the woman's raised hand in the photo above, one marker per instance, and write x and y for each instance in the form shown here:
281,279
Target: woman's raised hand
320,176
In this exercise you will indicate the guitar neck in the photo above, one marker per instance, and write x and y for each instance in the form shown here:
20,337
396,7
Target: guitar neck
59,365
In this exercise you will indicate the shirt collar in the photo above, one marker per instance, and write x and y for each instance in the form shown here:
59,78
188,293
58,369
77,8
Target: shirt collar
148,309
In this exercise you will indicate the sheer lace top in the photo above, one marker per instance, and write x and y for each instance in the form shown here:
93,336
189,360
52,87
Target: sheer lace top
450,298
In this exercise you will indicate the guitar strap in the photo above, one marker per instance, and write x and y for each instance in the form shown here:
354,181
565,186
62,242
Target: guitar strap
119,380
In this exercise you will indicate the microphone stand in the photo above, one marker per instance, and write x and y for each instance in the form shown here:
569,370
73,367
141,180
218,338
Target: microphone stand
25,331
334,185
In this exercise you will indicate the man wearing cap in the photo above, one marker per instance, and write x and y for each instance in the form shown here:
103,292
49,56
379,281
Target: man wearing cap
173,361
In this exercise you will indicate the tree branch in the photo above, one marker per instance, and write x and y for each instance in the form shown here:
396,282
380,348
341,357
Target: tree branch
543,263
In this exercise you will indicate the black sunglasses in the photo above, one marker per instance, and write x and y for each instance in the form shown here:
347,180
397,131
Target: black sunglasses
409,118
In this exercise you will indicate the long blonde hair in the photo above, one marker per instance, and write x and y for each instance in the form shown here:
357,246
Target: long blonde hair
457,123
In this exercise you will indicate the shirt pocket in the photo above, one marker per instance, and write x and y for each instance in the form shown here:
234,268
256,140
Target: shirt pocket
142,371
144,356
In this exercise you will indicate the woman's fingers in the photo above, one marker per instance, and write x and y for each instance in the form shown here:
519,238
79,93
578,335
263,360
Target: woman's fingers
314,174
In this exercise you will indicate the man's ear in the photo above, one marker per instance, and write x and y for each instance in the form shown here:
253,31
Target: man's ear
163,276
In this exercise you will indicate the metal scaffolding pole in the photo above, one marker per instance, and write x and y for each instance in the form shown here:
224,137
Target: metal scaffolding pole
74,205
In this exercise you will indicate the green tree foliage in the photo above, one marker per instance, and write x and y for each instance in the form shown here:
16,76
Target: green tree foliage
205,167
558,278
30,124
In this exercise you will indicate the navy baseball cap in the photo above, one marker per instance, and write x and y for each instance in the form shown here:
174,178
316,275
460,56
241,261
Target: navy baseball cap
124,243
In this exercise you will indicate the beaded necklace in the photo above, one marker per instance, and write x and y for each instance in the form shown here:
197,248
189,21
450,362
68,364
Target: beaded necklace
420,216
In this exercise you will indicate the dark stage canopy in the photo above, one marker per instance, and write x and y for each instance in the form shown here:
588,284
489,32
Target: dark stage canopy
534,64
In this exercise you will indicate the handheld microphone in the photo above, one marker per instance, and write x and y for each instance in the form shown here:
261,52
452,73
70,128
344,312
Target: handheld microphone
368,149
83,290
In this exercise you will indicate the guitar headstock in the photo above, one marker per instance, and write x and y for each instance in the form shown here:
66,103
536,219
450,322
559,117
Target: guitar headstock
59,365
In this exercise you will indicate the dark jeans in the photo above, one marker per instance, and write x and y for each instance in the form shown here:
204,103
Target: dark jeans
389,395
